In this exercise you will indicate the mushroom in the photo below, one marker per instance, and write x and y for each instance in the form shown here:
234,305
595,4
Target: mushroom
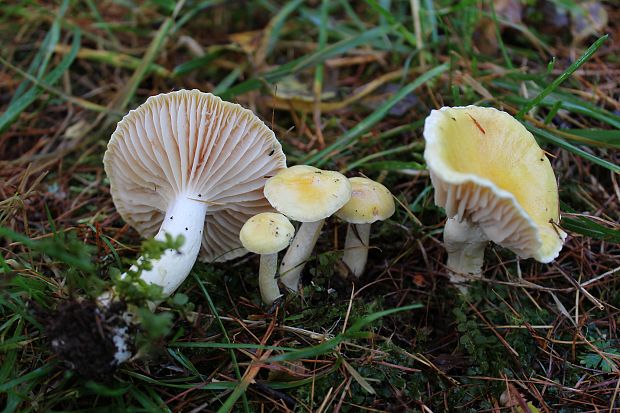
495,183
267,234
308,195
187,163
370,202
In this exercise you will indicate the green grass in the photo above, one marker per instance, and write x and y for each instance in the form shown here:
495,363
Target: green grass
401,338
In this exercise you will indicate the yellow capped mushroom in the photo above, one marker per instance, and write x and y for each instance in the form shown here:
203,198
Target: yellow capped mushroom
370,202
309,195
495,183
267,234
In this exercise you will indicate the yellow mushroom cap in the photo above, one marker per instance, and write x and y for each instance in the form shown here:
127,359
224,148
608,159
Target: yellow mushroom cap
307,194
266,233
487,168
370,201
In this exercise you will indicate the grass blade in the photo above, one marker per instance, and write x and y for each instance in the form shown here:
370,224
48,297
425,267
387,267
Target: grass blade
51,247
273,29
230,345
321,157
586,226
351,332
197,63
17,107
127,93
548,136
589,228
608,138
41,59
389,17
224,334
41,371
571,69
301,63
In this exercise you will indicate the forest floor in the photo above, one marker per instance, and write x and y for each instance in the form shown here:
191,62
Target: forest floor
345,86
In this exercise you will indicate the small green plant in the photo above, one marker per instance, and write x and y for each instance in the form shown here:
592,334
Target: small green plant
131,287
594,360
65,248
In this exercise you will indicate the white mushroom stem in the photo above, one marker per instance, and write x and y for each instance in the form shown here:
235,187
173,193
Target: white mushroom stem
185,217
267,282
121,340
356,246
465,245
298,253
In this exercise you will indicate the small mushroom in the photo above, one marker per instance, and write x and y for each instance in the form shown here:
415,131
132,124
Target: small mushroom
370,202
495,183
187,163
267,234
308,195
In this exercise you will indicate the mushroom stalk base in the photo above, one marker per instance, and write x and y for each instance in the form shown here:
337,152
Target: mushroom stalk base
267,282
298,253
184,217
356,246
465,244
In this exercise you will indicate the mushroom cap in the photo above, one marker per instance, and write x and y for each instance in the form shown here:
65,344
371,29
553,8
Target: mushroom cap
266,233
307,194
488,169
192,144
370,202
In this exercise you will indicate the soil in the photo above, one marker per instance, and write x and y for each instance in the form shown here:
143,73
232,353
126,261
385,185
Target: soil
81,332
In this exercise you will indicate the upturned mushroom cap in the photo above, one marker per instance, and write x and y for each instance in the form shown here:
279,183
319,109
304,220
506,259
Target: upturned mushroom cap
370,202
488,169
266,233
192,144
307,194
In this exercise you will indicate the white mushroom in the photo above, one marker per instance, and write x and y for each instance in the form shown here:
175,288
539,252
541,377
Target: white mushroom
495,183
309,195
370,202
267,234
187,163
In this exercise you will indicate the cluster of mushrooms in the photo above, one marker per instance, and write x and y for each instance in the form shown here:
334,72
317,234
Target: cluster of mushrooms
310,195
187,163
